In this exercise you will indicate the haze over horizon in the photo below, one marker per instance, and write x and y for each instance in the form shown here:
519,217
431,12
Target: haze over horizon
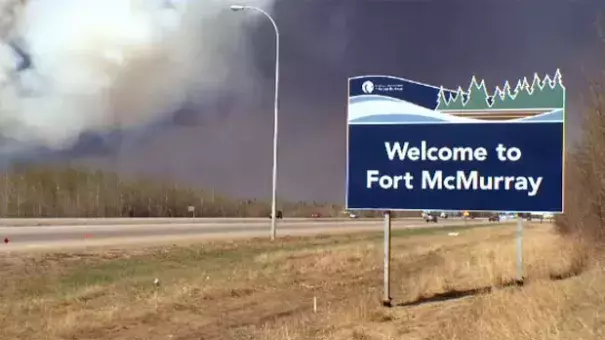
219,135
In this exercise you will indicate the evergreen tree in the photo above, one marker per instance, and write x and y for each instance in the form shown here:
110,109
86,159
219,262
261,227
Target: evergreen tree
558,79
457,102
477,96
523,100
494,97
510,96
547,94
507,96
518,89
538,94
525,85
507,90
548,83
498,98
442,102
557,93
536,84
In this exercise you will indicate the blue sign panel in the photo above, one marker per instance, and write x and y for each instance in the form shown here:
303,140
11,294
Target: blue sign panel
412,146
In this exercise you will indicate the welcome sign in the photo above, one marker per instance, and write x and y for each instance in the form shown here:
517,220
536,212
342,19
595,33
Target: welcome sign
414,146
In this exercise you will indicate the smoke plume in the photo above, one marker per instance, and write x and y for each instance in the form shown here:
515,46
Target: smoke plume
70,67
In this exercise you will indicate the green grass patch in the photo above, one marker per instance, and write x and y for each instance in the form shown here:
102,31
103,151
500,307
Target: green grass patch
198,259
185,262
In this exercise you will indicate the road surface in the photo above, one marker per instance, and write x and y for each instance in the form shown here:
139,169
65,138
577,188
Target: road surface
25,234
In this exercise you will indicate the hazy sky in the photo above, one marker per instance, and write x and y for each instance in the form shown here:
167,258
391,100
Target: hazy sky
224,141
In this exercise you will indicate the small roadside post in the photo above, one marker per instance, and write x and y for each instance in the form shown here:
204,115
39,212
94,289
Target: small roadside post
519,249
191,209
386,298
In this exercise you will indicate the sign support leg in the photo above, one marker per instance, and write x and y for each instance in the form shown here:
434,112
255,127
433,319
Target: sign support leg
386,299
519,250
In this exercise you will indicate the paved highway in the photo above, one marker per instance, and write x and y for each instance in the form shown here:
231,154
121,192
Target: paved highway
32,222
59,233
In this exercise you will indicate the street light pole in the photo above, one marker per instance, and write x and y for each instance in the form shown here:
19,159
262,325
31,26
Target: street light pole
275,116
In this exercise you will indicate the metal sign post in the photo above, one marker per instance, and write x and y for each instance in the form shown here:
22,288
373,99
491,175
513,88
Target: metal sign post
519,250
386,299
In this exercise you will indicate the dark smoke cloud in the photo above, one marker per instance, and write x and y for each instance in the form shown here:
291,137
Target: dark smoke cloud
223,140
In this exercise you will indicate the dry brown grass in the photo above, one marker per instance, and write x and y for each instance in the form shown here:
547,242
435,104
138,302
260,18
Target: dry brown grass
256,290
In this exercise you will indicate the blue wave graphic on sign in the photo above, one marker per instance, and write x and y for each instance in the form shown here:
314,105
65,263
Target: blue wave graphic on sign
411,118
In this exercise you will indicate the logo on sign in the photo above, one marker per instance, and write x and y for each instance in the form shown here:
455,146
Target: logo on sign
367,87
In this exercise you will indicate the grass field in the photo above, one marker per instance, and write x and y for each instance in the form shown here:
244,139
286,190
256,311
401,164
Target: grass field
445,287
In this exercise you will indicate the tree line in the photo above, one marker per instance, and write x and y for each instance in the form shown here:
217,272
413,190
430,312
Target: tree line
57,191
53,191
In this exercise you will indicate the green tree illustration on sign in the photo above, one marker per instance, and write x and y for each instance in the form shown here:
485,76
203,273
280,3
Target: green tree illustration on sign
510,95
523,98
543,93
501,95
457,101
556,91
477,96
442,102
